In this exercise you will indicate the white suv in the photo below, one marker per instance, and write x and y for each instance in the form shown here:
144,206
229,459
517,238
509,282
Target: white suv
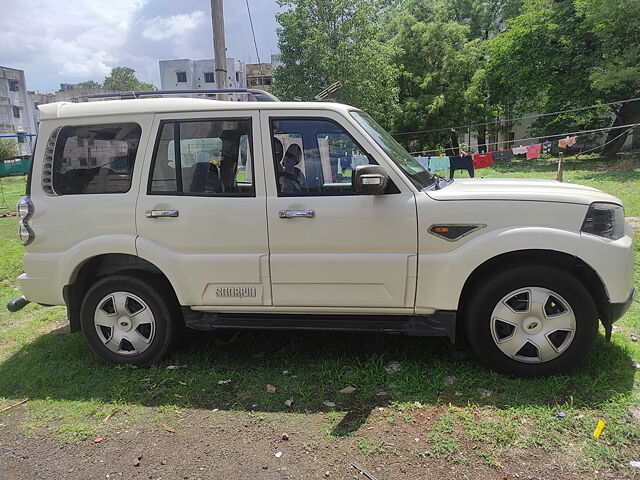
146,216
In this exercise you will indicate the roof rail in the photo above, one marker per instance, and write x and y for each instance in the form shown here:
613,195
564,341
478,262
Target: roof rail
259,95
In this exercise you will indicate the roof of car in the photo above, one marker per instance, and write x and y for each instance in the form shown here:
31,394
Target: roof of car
163,105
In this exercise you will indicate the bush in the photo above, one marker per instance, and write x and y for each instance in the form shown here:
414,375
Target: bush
8,147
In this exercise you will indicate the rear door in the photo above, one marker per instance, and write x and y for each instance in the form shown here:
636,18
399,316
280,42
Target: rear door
330,247
201,211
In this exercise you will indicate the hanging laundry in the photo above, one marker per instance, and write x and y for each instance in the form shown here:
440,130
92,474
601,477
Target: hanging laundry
482,160
461,162
502,156
519,150
567,142
546,147
438,163
533,151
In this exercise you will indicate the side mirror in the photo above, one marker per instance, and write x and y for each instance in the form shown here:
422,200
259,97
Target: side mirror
370,180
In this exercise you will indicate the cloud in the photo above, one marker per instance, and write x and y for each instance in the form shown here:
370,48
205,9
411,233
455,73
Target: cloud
161,28
76,40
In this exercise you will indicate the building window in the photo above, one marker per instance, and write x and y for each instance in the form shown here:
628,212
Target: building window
14,86
267,80
209,77
237,76
16,112
182,77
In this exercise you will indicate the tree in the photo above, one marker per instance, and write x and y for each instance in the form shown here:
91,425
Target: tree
326,41
567,54
8,148
88,84
123,79
441,74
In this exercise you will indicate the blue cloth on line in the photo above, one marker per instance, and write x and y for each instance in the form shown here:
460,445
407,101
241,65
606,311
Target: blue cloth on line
439,163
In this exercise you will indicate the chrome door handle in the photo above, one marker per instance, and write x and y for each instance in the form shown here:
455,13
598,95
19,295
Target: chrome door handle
297,213
161,213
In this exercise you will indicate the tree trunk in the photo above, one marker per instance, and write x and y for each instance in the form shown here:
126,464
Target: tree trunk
628,113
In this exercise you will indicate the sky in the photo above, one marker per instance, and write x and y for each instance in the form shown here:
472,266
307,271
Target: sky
71,41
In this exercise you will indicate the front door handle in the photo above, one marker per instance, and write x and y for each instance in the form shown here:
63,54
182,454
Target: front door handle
297,213
161,213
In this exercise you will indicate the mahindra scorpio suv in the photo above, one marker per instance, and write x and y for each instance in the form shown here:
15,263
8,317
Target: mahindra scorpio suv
148,216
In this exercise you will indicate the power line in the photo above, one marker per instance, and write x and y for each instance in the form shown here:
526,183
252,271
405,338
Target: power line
581,132
537,115
607,143
255,44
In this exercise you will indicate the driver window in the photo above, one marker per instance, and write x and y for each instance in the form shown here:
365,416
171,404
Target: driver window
314,157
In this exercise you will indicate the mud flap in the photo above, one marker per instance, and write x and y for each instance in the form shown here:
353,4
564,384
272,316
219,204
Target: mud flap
608,327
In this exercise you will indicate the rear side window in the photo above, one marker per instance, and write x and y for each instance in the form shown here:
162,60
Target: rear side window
203,158
92,159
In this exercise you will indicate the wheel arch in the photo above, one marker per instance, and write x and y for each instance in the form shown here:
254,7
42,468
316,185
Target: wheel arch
553,258
97,267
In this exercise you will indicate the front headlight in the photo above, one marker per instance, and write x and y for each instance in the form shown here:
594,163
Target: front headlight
605,220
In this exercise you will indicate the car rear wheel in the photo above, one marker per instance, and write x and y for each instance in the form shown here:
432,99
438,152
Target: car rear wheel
129,319
532,321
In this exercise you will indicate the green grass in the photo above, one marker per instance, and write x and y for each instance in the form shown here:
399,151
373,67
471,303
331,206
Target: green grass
71,391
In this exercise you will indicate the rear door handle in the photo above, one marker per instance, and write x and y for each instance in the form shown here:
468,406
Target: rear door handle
161,213
297,213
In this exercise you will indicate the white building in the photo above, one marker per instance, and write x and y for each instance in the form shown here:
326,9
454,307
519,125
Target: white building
17,112
187,74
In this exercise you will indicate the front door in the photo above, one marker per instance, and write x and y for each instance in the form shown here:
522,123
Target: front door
201,215
328,246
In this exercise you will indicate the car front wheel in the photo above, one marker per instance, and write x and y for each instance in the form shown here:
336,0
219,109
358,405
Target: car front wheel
532,321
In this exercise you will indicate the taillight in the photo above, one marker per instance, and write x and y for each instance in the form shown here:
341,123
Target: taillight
25,212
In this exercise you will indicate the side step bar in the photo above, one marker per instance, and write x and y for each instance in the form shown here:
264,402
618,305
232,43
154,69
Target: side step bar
441,324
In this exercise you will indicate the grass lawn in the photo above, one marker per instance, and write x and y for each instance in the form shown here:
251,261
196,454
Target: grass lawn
474,416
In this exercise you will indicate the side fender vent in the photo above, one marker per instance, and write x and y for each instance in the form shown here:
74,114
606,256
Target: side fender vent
454,231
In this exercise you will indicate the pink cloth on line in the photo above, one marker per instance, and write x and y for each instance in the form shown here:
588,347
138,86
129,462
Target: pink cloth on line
533,151
567,142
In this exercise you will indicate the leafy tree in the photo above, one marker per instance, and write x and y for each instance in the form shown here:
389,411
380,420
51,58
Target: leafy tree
8,148
441,74
326,41
615,25
567,54
123,79
88,84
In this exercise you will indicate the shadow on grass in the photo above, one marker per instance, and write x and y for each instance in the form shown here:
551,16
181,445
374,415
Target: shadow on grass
309,368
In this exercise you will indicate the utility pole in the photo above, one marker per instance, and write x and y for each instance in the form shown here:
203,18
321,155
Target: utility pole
219,49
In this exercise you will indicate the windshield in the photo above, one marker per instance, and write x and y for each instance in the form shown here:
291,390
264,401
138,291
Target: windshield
418,175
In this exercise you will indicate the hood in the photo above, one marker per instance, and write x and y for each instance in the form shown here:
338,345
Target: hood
522,190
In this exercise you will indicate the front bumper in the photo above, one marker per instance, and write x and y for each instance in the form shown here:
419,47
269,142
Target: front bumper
615,311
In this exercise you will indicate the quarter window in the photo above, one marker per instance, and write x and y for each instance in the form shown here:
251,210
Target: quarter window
314,157
208,157
104,167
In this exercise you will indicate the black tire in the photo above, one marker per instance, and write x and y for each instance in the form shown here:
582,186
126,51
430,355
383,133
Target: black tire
160,301
489,294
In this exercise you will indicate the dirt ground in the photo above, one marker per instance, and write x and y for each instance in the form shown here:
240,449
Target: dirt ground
232,445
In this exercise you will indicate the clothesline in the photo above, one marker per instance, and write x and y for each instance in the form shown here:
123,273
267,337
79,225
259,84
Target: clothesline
581,132
537,115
